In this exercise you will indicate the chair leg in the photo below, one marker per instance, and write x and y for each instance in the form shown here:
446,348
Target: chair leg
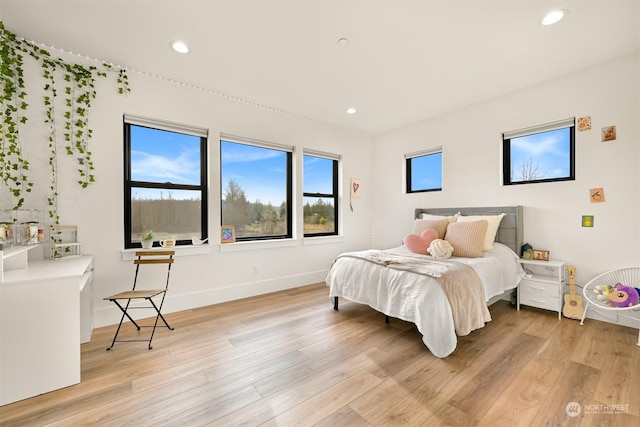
124,313
159,315
584,314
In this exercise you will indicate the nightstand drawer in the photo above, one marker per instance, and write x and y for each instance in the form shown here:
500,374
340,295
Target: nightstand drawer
535,288
540,301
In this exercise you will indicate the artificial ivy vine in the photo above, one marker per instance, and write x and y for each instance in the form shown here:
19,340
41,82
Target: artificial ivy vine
78,84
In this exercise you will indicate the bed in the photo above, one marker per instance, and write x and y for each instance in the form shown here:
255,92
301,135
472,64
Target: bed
444,298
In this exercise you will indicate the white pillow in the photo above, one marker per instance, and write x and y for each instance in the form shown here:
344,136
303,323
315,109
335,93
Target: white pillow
450,218
492,229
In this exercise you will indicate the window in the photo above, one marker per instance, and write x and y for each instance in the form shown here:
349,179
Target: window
256,188
320,195
544,153
165,182
424,171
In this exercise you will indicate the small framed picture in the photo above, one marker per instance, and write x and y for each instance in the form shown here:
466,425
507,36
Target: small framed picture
227,234
540,255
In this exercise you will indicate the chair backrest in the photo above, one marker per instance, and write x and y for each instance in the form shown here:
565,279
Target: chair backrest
153,257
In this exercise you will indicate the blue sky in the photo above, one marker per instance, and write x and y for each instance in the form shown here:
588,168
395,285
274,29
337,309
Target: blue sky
163,156
548,150
260,172
426,172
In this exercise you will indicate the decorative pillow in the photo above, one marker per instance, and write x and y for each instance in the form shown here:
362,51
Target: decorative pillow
440,249
450,218
467,238
492,227
420,243
440,225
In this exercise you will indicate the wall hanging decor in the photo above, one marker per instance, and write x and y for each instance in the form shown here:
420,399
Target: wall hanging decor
355,189
584,123
69,89
596,195
587,220
608,133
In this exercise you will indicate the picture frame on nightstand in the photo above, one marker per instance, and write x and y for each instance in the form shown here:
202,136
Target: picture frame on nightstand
540,255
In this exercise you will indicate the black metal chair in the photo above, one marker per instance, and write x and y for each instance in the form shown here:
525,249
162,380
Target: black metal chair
142,258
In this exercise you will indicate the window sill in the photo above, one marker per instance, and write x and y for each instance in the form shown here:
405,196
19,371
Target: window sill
182,250
258,244
323,240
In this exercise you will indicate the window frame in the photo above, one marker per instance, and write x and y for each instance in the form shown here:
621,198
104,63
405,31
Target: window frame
408,169
129,184
335,190
289,185
534,130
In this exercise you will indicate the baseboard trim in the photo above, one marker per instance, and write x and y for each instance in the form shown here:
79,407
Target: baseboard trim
105,316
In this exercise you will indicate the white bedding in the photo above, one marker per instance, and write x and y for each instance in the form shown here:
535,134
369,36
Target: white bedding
418,298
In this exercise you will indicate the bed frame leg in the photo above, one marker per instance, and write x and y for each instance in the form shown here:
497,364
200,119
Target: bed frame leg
335,303
386,319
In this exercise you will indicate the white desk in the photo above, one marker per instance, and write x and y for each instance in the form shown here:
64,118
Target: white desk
40,323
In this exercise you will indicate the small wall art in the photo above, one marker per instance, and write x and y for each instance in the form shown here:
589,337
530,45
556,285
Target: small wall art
608,133
227,234
355,188
587,220
596,195
584,123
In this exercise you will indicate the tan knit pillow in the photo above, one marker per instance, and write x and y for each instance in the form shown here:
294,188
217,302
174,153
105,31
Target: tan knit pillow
467,238
440,225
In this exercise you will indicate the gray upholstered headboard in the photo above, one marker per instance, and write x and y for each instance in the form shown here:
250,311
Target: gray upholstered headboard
510,232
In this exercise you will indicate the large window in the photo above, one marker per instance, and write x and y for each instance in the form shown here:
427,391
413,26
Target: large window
256,188
320,195
424,171
165,181
542,153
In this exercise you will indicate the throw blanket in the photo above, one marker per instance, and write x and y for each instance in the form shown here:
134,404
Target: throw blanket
460,283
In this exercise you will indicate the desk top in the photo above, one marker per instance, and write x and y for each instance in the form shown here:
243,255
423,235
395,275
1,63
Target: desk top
49,269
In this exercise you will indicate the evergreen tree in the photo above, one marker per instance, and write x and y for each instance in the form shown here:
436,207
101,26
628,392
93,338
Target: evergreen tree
235,206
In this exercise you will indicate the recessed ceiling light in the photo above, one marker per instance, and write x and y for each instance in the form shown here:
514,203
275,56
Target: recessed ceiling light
553,16
180,47
343,41
351,110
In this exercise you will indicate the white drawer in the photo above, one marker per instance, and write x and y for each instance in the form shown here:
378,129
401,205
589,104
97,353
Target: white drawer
540,301
540,289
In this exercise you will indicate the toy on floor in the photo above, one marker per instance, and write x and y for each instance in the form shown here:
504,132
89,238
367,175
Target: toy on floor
618,295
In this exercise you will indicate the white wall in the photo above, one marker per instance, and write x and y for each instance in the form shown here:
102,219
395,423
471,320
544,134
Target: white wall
471,141
222,274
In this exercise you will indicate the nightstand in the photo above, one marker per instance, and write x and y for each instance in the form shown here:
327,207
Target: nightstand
543,285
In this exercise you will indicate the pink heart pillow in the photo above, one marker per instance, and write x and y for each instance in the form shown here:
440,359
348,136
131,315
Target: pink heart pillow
420,243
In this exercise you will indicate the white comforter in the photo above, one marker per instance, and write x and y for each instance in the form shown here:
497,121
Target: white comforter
418,298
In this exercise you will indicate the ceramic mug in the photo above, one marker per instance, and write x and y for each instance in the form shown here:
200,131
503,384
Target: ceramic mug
168,243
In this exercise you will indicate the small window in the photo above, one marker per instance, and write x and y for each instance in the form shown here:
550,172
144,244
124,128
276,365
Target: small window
256,188
544,153
424,171
320,195
165,181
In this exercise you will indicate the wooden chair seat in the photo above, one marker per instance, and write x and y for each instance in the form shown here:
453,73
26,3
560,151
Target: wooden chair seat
141,294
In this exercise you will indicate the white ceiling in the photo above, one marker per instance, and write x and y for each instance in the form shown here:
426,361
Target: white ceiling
405,61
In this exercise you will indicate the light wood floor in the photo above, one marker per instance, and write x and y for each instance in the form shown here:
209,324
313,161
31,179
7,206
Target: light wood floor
290,359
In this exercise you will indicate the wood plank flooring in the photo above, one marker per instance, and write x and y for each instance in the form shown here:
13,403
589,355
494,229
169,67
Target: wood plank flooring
289,359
